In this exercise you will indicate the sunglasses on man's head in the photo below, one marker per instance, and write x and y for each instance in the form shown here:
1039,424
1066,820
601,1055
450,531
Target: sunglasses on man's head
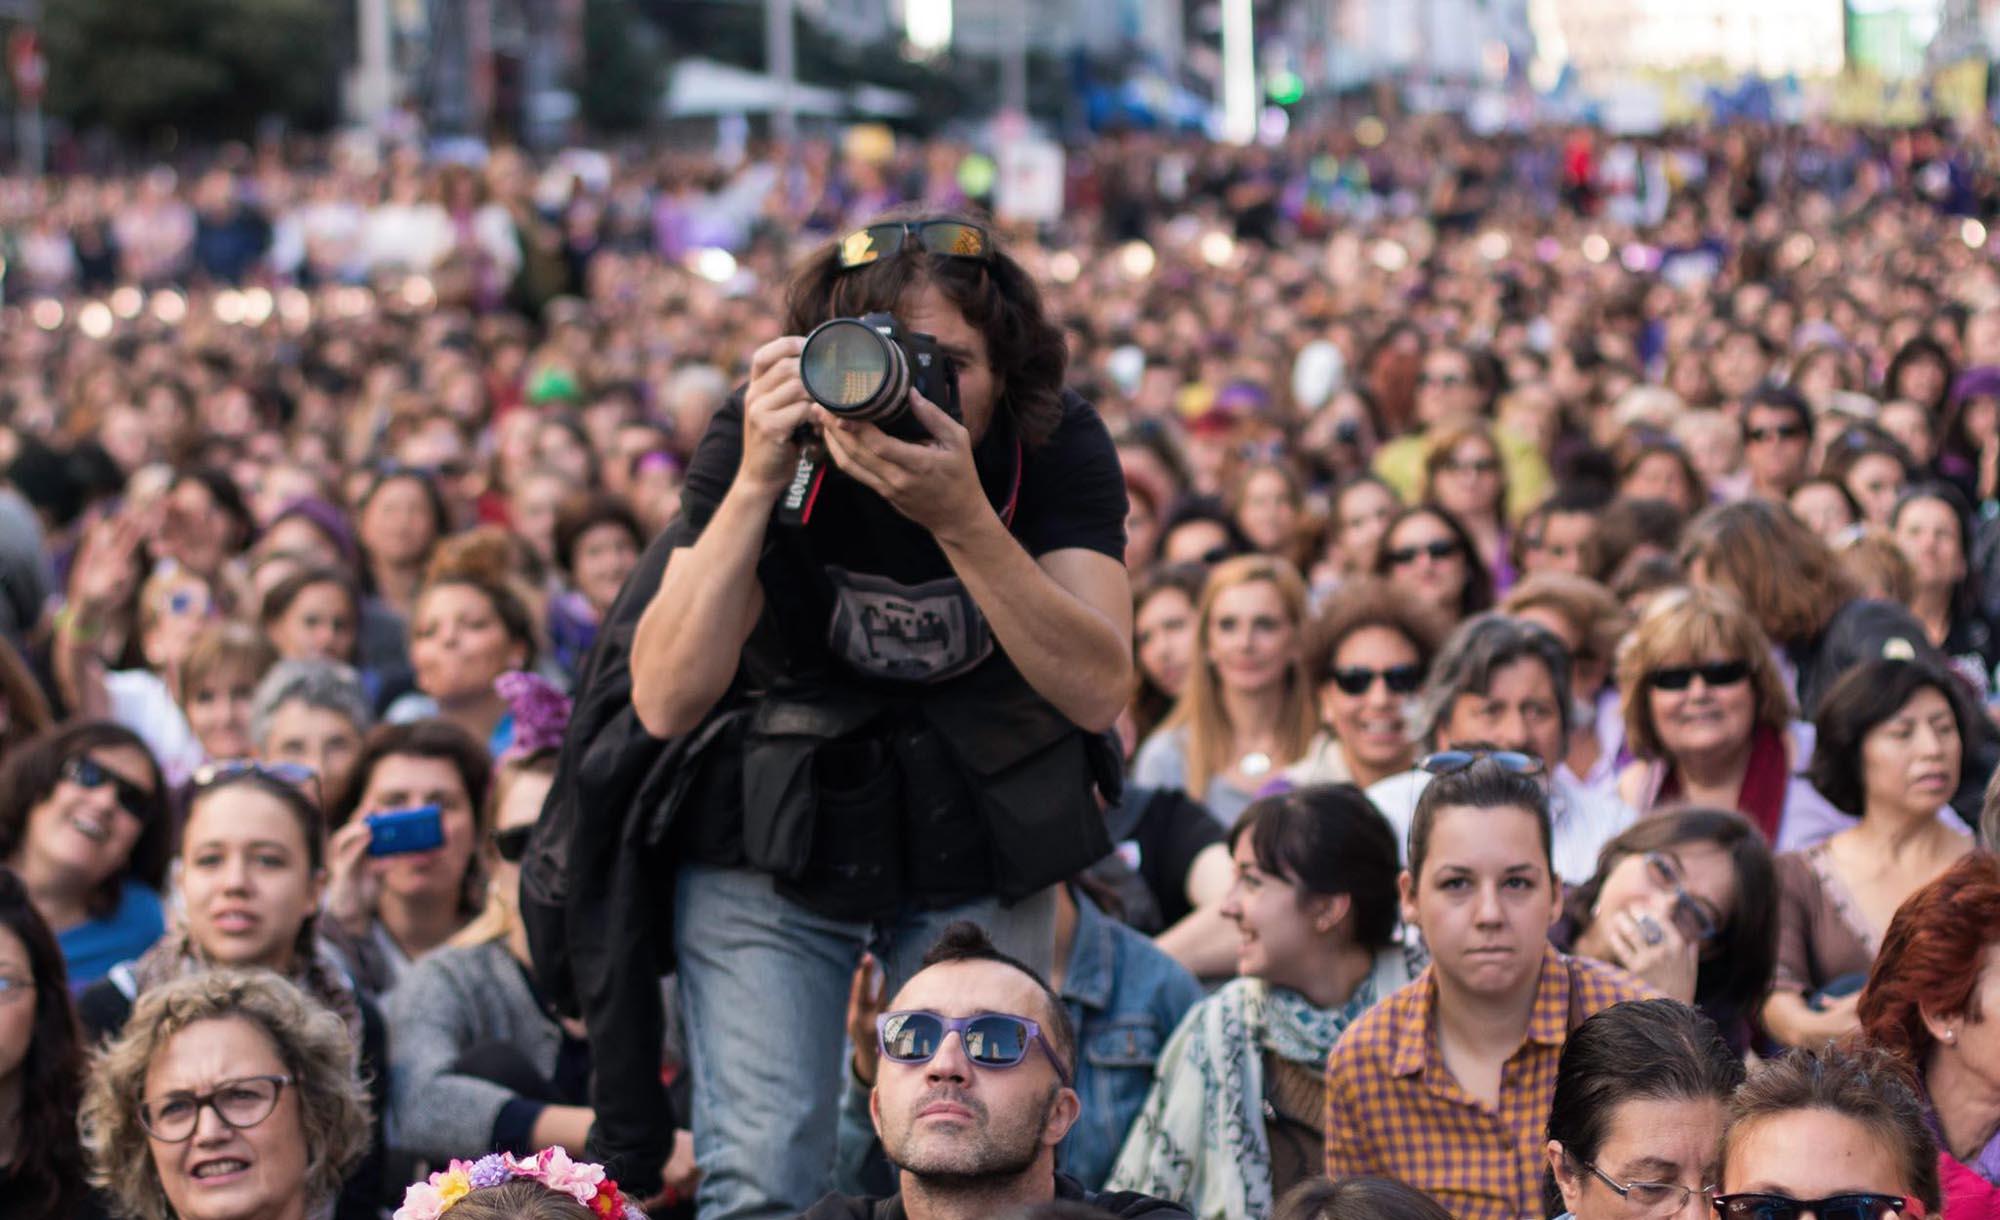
1833,1207
990,1039
86,772
1358,679
1680,677
944,238
1450,762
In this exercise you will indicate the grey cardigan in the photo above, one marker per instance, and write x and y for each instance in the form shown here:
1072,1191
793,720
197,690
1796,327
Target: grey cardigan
451,1000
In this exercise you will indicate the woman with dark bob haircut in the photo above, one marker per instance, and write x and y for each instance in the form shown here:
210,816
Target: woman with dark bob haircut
1357,1199
1640,1092
84,822
1315,900
41,1066
998,297
1892,742
1838,1129
1701,882
1933,1001
1428,554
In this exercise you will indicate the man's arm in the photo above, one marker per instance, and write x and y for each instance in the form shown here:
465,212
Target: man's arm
691,635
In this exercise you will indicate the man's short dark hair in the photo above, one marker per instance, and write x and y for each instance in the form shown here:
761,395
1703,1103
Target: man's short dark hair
965,941
1781,398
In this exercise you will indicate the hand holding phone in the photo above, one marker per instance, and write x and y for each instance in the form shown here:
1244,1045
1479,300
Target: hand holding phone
397,832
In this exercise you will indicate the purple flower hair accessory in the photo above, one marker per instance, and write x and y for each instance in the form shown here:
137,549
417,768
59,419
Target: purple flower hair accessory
541,712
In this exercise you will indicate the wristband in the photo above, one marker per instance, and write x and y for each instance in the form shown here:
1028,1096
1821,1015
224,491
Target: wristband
69,623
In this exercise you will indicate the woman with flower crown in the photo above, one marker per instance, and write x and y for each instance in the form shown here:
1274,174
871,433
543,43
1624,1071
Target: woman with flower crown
476,1063
500,1186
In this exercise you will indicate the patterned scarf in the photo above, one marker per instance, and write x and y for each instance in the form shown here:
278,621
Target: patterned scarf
315,971
1201,1138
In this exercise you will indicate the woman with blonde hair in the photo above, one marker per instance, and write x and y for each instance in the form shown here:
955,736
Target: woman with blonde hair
1247,711
225,1065
1707,717
1465,475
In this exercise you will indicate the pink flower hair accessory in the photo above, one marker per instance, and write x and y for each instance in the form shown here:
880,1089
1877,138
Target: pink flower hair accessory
552,1167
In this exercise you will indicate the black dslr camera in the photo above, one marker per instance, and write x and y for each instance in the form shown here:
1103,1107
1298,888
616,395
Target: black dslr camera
863,368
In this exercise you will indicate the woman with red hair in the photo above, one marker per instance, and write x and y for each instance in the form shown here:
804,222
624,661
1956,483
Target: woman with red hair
1933,1001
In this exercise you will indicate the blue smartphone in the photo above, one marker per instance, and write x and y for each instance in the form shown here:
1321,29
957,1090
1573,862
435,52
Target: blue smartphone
397,832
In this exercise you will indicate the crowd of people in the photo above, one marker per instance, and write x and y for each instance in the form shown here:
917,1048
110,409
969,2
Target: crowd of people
1413,674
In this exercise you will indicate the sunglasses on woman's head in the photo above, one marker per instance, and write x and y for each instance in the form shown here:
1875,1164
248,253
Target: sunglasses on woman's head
86,772
1450,762
990,1039
1679,677
1359,679
1833,1207
944,238
292,775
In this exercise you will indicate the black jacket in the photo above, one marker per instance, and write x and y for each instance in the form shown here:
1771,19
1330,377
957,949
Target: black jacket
1125,1203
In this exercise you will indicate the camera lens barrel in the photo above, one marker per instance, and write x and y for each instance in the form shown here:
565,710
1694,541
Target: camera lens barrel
855,371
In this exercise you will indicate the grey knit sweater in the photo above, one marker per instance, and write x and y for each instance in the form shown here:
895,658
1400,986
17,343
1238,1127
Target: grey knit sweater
448,1002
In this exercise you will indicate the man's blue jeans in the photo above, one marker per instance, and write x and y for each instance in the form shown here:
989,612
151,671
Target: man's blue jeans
763,987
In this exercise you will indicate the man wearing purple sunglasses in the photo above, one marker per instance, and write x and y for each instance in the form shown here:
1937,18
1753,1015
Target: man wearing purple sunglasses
973,1094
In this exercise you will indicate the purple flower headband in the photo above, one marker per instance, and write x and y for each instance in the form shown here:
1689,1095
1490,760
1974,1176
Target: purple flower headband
541,712
552,1167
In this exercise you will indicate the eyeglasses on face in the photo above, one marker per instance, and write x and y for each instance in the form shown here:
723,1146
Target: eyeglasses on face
15,989
1833,1207
241,1103
945,238
1712,674
1650,1198
1443,379
1475,466
1450,762
1356,680
1690,916
1442,549
991,1039
86,772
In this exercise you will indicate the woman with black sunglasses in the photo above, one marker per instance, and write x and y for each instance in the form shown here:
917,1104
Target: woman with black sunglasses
83,821
1426,554
478,1065
1367,652
1708,718
1685,901
252,869
1892,741
1835,1133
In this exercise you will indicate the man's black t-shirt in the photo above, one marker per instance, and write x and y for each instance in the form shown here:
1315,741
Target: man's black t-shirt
879,601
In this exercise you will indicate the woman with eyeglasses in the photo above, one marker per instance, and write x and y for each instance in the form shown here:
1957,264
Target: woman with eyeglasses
41,1066
83,823
1708,720
478,1064
1834,1133
1464,476
1641,1090
1686,901
230,1095
1427,555
1891,748
1369,651
386,911
1933,1001
1247,710
252,870
1236,1114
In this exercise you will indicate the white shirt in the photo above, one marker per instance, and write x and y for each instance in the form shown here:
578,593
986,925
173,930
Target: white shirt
1582,820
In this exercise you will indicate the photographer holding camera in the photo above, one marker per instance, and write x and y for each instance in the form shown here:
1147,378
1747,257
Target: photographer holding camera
894,630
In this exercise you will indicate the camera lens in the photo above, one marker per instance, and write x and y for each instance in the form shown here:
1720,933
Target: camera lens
851,370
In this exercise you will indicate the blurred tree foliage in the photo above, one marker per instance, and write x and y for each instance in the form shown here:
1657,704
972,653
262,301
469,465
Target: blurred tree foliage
200,67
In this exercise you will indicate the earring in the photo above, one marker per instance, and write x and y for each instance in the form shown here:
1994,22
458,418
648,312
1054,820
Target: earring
1950,1036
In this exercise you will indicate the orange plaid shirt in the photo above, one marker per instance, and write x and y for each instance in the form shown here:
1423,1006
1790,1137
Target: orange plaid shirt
1394,1109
